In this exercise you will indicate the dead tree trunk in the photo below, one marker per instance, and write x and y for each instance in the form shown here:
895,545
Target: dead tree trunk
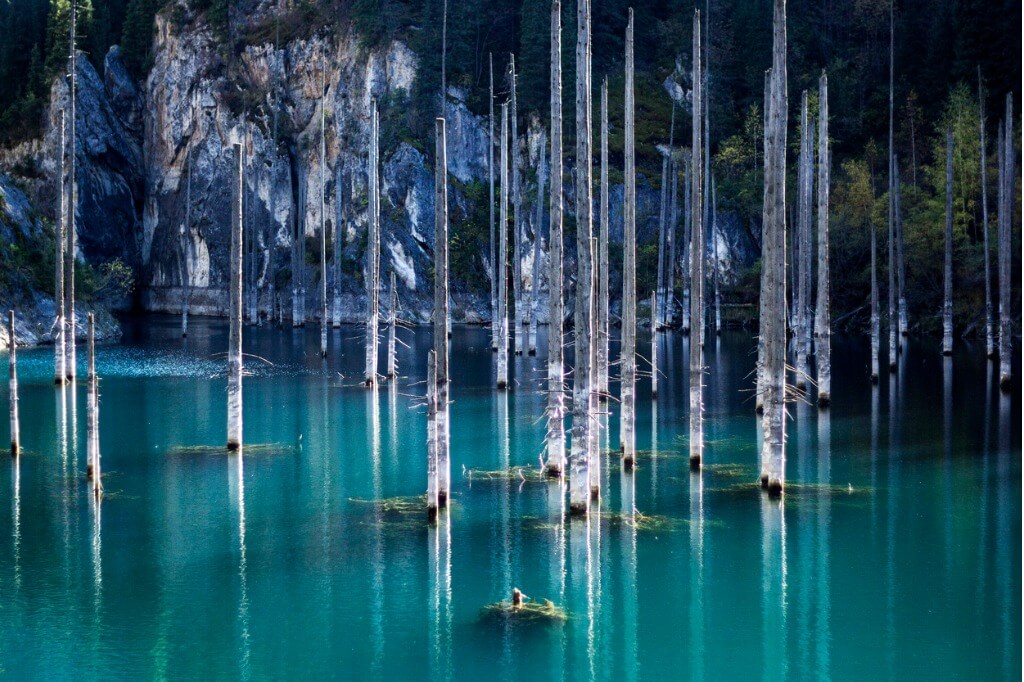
441,307
297,244
502,266
1008,186
373,256
602,257
670,240
517,222
990,344
687,232
186,241
875,315
556,379
323,221
901,281
947,280
235,308
59,325
71,223
582,407
697,255
800,247
93,416
627,352
431,437
715,258
893,320
338,239
392,330
654,348
535,275
490,205
765,300
659,286
822,322
12,357
773,323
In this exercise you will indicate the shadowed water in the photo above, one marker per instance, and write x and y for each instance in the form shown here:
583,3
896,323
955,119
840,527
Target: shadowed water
896,552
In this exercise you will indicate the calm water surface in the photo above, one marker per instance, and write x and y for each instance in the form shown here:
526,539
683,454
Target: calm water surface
895,555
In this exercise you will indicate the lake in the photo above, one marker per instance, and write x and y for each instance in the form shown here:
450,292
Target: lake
895,553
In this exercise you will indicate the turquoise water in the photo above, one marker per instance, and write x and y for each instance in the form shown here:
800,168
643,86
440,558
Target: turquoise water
900,557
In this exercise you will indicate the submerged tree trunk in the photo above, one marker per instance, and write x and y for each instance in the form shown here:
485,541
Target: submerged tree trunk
603,274
654,349
71,228
947,280
441,307
627,351
582,405
59,325
12,358
773,324
373,257
535,275
431,437
990,345
697,255
822,322
392,330
517,222
556,378
503,257
324,321
93,416
490,204
1005,252
235,308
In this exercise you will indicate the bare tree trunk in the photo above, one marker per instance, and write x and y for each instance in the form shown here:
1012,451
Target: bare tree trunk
904,321
806,247
12,358
801,229
947,288
715,258
535,275
93,416
875,324
822,324
556,372
697,256
59,324
603,274
627,351
765,299
502,265
668,315
1005,252
517,223
431,437
373,257
71,223
990,344
659,287
186,241
773,323
490,205
441,307
893,320
392,330
235,309
654,348
582,407
687,231
324,321
339,186
298,291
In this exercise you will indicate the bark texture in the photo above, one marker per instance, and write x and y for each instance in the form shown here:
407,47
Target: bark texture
441,308
947,278
627,351
697,255
822,321
12,358
503,257
235,309
373,255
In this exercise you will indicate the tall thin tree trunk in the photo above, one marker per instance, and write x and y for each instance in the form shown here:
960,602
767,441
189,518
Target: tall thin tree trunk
799,247
687,231
12,358
875,315
947,280
71,222
373,256
324,321
186,241
654,348
627,351
715,258
659,286
765,299
93,416
517,222
392,330
773,323
901,264
556,378
298,243
806,247
535,275
235,308
698,252
893,320
502,265
441,307
490,205
339,187
990,344
668,315
1005,252
603,274
582,407
59,324
431,437
822,322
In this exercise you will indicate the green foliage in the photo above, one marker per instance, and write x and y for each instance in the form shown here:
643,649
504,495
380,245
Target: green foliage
137,35
469,237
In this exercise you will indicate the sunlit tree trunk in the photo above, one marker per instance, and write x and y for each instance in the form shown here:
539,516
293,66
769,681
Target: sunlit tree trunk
59,324
990,345
556,371
373,255
93,415
71,222
773,324
822,322
582,406
654,349
1008,185
659,286
490,204
687,231
517,221
392,330
535,275
716,259
697,255
235,308
893,320
441,307
764,298
668,315
904,321
947,279
603,328
627,352
502,265
12,357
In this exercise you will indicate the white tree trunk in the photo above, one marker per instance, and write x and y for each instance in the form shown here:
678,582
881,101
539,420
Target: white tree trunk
602,257
431,437
392,330
990,344
947,280
659,286
822,322
502,265
801,246
490,205
186,241
1008,186
71,228
764,298
904,321
59,325
93,415
893,268
441,307
556,379
654,349
535,275
12,357
875,323
715,257
668,314
373,255
339,180
517,221
687,231
627,351
235,309
697,256
324,321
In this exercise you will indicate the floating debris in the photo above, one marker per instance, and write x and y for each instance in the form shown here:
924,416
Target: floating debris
249,450
530,611
725,470
639,521
518,474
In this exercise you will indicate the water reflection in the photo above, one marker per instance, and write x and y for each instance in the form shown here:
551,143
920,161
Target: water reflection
697,620
823,571
891,589
439,539
555,490
16,518
236,488
1005,518
947,469
775,661
377,554
629,577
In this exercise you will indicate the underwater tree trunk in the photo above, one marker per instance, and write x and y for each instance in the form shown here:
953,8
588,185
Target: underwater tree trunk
627,352
535,276
373,258
71,229
822,322
947,279
556,372
59,325
441,307
431,437
93,416
654,349
392,330
990,345
773,327
697,256
324,321
12,357
1008,186
517,226
603,273
581,444
490,204
235,309
502,266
